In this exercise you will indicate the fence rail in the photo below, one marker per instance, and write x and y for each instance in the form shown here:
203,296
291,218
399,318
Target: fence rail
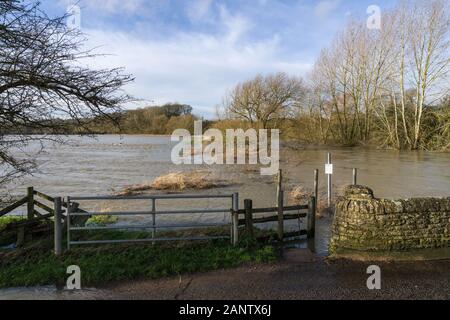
156,197
69,217
13,206
232,210
249,221
33,200
275,218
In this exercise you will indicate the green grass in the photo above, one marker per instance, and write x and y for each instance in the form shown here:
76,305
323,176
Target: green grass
102,220
4,221
37,265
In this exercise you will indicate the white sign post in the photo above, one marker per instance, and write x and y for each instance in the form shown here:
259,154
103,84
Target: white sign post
329,172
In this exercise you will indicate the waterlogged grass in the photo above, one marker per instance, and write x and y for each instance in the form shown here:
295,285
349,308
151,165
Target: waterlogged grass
99,265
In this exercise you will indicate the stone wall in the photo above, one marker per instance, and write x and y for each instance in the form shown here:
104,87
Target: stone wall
365,223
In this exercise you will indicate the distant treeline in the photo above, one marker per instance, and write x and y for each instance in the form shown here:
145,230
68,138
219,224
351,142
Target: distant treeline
150,120
308,128
158,120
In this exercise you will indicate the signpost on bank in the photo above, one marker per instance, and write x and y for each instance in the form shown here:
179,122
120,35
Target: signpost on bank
329,172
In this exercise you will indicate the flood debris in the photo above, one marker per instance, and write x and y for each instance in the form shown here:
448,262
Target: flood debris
175,181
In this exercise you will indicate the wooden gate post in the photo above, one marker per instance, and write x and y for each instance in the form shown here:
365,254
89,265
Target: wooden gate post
30,203
280,204
235,219
316,186
311,218
280,215
154,218
58,226
248,205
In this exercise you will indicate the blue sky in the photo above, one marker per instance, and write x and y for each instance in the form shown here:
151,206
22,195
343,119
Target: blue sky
193,51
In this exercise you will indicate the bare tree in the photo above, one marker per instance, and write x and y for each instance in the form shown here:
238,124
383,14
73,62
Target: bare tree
368,75
429,46
265,100
336,73
44,82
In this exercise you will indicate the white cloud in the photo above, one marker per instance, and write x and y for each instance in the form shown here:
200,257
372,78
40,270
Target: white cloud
191,68
173,61
236,25
325,7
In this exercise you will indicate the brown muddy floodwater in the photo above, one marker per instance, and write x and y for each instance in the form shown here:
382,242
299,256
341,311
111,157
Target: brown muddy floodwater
106,164
109,163
100,165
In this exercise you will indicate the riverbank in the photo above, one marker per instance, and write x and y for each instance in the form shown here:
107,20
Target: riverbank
298,276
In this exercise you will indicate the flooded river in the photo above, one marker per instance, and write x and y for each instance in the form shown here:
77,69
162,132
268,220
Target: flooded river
107,164
100,166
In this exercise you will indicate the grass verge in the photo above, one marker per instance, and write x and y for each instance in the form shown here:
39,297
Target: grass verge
99,265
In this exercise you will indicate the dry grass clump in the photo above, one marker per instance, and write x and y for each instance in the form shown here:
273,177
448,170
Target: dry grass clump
135,189
300,194
175,181
180,181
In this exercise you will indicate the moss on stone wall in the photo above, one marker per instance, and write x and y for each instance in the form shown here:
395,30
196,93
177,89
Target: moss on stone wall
363,222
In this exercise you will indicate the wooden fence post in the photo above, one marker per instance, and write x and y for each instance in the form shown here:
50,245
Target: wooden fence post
58,226
311,218
30,203
248,205
279,184
280,204
154,218
20,237
355,177
316,186
235,218
281,215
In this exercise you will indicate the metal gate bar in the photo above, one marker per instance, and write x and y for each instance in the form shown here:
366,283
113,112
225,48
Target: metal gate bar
233,210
